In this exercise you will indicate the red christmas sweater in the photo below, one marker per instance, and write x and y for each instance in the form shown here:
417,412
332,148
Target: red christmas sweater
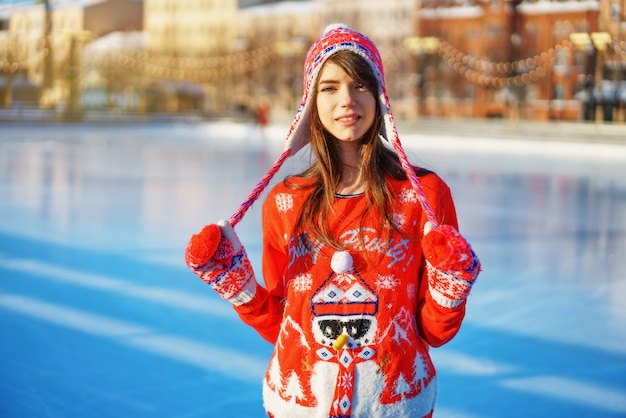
376,299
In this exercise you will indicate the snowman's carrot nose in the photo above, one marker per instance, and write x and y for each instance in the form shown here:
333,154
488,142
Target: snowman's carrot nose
340,342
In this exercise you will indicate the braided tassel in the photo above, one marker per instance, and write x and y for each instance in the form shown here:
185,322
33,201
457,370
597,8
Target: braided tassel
408,169
258,189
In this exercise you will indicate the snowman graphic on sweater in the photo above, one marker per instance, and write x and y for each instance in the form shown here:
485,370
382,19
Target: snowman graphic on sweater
343,368
344,311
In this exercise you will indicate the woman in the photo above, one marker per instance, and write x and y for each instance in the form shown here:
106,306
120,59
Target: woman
361,273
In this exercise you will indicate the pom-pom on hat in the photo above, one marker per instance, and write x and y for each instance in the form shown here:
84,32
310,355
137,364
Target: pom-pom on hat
337,37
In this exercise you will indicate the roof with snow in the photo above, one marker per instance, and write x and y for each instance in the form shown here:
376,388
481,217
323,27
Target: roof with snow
456,12
547,6
117,41
282,7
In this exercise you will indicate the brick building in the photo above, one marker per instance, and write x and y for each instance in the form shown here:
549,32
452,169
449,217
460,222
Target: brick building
506,58
547,27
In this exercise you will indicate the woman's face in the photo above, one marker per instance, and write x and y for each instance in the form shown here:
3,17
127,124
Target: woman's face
346,108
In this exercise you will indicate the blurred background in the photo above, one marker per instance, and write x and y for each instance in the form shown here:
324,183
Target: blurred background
128,125
513,59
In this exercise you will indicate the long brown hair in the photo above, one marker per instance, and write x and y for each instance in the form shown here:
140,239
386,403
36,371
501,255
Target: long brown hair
377,161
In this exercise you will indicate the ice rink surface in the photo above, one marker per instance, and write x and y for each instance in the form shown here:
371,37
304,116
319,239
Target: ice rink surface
99,316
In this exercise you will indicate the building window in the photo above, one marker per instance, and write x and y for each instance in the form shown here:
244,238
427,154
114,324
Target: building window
579,58
471,32
531,92
493,30
559,92
581,26
531,29
561,57
562,28
616,12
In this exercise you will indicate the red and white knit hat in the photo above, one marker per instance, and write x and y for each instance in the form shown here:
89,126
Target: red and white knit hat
337,37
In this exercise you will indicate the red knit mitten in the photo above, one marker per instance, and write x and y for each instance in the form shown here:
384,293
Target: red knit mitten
217,257
451,264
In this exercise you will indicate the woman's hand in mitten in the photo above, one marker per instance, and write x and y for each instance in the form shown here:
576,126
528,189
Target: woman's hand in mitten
217,257
451,264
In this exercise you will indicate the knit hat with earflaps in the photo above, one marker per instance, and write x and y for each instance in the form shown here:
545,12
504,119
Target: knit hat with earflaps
337,37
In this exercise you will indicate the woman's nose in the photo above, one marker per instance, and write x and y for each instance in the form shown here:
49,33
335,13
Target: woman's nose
346,96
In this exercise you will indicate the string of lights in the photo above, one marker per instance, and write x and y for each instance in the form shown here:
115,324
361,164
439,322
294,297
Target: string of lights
518,73
208,69
198,69
499,74
14,66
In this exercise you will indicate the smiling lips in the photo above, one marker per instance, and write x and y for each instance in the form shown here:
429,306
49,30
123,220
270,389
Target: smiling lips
348,119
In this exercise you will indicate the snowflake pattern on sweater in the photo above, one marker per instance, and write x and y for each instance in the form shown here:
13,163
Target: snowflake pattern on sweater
378,306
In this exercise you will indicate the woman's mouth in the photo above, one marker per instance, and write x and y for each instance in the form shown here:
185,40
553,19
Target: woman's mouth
347,119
